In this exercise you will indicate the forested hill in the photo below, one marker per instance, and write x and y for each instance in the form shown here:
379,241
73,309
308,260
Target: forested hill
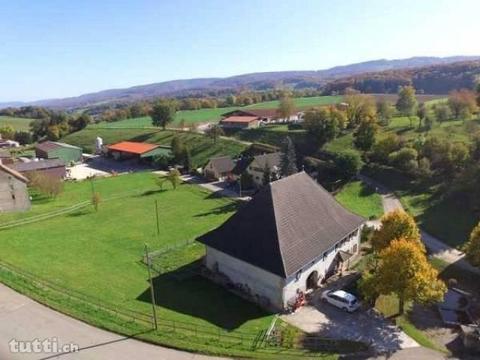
436,79
433,75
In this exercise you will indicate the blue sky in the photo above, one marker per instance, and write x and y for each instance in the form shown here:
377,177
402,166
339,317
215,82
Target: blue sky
66,48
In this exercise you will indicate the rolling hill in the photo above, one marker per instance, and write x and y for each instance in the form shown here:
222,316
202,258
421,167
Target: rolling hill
262,81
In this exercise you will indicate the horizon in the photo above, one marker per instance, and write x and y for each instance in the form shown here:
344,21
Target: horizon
64,50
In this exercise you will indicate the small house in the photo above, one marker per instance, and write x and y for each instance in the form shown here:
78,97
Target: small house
288,239
13,190
57,150
219,168
257,165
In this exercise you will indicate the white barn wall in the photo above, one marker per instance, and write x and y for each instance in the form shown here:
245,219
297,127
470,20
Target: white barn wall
320,265
260,282
263,283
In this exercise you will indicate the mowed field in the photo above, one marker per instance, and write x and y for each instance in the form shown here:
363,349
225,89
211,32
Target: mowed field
19,124
214,115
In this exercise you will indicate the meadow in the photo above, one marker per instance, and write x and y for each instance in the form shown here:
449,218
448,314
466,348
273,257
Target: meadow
19,124
214,115
99,254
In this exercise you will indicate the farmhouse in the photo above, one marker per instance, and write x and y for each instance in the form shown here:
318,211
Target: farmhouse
219,168
49,167
243,119
13,190
136,150
56,150
256,166
289,238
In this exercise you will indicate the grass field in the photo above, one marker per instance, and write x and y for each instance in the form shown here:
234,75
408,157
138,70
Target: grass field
201,147
19,124
98,253
361,199
214,115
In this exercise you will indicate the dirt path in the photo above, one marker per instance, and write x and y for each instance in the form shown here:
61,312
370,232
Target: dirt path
435,247
23,319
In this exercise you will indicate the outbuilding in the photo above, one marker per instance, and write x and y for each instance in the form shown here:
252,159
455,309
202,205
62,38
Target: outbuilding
136,150
13,190
288,239
57,150
49,167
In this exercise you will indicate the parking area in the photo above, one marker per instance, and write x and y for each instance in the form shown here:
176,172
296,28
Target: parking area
367,326
102,166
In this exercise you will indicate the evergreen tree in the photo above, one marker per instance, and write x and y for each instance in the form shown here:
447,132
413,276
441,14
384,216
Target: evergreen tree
267,175
288,165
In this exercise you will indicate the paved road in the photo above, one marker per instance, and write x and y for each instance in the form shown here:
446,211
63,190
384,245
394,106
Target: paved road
24,319
435,247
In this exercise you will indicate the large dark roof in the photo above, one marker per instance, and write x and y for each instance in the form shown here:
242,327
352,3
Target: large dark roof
223,164
38,165
288,224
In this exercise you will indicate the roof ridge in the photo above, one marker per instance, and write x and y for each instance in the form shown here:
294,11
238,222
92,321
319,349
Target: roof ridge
274,206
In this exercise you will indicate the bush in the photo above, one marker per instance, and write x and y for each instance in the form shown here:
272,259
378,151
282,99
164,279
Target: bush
348,163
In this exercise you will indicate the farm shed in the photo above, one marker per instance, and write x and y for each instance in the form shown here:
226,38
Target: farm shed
49,167
289,238
13,190
135,150
57,150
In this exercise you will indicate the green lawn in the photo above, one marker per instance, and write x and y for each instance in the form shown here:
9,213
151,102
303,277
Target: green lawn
361,199
98,253
201,147
19,124
300,103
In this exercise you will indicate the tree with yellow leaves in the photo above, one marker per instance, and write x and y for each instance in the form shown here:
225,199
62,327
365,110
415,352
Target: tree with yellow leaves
395,225
472,247
405,271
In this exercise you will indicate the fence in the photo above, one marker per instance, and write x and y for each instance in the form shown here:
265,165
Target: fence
190,333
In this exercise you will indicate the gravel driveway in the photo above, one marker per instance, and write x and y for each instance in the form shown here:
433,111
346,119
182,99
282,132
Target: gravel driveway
328,321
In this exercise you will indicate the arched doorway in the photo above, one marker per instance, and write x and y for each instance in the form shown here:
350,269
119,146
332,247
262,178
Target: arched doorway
312,280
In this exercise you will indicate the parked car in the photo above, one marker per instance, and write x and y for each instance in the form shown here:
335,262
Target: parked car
341,299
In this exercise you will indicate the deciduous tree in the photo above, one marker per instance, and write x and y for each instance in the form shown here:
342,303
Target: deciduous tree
348,163
365,135
462,103
405,271
286,107
472,247
407,102
214,132
384,111
395,225
163,113
321,125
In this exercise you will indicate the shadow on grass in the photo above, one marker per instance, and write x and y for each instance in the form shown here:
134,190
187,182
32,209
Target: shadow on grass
366,190
80,213
229,207
185,292
151,192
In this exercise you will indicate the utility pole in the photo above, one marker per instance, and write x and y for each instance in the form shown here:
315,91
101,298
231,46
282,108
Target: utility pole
158,222
152,291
